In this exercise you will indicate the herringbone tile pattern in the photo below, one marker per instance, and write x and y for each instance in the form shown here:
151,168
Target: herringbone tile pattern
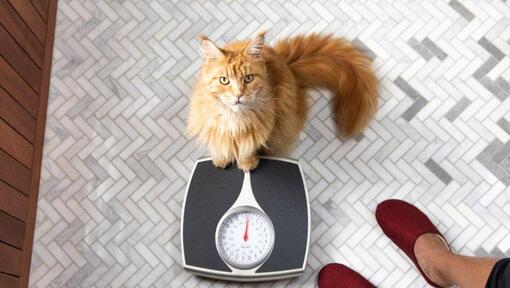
116,159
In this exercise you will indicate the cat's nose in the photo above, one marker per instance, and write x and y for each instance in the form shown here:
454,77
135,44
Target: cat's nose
237,99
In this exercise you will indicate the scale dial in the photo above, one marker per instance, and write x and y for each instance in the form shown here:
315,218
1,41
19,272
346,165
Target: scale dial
245,238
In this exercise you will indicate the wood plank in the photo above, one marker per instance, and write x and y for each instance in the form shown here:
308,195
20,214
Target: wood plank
13,202
18,88
42,7
12,230
16,116
8,281
20,31
38,147
31,17
15,145
17,175
10,259
19,60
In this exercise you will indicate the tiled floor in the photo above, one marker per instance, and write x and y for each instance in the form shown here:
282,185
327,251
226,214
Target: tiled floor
116,159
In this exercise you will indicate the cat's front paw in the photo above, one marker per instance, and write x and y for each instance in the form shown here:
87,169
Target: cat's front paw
220,162
247,164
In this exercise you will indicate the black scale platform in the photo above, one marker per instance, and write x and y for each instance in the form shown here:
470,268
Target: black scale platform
278,186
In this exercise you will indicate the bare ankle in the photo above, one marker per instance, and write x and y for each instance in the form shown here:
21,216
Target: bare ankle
433,256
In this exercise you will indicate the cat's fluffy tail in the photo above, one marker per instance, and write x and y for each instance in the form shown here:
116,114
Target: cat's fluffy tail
319,61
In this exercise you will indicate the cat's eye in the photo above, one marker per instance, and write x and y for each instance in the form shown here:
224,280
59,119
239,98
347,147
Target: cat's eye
224,80
248,78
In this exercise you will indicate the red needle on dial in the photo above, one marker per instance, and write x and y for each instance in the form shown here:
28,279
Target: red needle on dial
245,237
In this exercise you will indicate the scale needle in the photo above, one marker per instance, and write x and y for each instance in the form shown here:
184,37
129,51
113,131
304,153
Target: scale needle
245,237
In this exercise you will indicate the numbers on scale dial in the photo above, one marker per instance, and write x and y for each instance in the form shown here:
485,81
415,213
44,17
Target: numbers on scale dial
245,238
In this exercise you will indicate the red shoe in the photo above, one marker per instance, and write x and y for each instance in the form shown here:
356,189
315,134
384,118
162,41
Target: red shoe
339,276
403,224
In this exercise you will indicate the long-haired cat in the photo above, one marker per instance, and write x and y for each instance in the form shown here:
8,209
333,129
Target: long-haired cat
251,98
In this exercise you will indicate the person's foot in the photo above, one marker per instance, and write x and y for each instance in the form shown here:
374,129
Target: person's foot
405,224
430,250
336,275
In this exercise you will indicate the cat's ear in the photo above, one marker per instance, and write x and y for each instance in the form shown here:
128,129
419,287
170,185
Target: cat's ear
208,48
256,45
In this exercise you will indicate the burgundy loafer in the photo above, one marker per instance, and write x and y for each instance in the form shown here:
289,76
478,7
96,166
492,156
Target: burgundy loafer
340,276
403,223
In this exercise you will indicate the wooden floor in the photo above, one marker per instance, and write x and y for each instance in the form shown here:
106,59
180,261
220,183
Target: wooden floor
26,42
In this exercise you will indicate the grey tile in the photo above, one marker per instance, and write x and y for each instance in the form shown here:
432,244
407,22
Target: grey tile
487,45
495,169
487,159
503,84
406,88
154,171
497,253
82,104
71,230
96,168
363,47
418,47
480,252
78,278
462,10
503,153
485,68
432,47
414,109
493,88
340,215
359,137
438,171
492,148
458,108
505,164
504,124
312,132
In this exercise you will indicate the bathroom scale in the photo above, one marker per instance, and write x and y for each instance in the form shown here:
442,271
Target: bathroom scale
246,226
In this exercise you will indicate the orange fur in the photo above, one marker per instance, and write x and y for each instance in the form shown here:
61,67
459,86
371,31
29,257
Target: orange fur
241,119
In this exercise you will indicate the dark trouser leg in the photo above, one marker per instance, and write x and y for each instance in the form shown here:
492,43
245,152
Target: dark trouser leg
500,275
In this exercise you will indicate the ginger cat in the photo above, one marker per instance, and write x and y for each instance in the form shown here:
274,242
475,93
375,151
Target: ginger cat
251,98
